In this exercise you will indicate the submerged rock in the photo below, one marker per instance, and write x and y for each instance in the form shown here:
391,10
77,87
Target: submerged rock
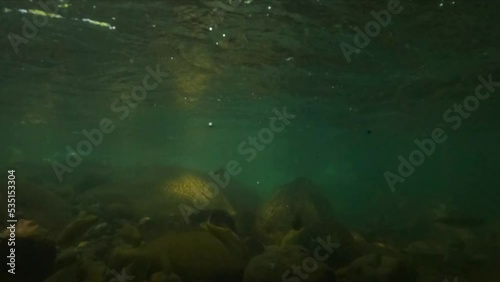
376,268
168,195
293,206
129,234
193,255
76,230
221,226
288,263
162,277
298,213
72,272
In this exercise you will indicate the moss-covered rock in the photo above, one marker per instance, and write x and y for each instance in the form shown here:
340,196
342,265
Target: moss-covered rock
193,255
168,195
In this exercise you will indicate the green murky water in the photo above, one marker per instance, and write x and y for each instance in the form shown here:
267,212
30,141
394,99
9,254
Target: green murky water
137,127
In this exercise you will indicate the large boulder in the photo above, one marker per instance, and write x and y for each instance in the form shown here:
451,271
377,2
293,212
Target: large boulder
299,213
192,255
170,196
213,252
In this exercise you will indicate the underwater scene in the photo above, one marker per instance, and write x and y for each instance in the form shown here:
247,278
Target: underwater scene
249,140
